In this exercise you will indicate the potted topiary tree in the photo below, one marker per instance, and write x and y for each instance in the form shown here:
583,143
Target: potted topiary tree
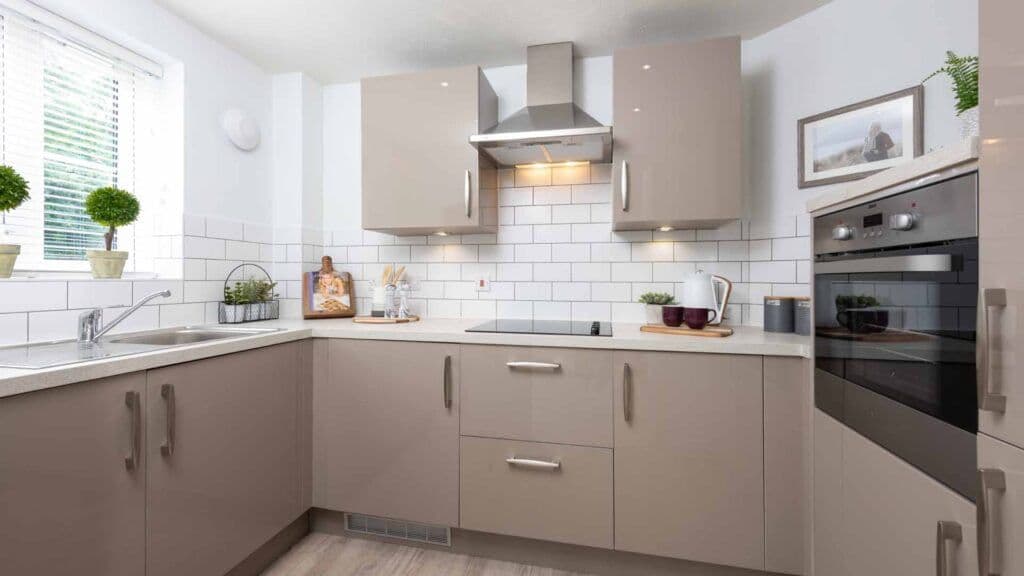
113,208
13,192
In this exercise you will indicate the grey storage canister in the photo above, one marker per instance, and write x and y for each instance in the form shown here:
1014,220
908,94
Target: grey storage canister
778,314
802,316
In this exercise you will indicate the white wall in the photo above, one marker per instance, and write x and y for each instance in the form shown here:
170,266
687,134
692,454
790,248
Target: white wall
844,52
219,179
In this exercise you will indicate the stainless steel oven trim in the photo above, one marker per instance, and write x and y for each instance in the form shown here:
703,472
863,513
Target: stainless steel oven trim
913,263
940,450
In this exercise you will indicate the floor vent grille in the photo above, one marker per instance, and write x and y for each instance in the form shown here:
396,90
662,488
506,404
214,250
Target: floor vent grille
399,529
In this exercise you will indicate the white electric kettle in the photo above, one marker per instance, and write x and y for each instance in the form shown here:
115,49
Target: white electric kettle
702,290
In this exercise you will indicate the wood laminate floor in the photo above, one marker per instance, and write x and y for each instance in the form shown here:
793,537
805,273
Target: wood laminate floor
329,555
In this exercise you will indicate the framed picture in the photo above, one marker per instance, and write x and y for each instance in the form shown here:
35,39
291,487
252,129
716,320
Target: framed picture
858,140
327,293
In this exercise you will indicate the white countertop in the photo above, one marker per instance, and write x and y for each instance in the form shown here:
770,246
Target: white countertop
745,340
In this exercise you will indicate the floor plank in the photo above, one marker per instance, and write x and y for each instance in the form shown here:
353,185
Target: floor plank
329,555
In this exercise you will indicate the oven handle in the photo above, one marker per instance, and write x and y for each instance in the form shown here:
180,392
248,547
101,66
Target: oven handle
914,263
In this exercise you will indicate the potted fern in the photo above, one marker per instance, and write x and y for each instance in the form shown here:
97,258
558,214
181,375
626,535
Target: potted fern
113,208
13,193
963,71
655,303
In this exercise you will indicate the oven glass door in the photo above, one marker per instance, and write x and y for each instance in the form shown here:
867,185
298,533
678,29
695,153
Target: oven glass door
902,323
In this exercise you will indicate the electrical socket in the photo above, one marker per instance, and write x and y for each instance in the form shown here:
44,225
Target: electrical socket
483,285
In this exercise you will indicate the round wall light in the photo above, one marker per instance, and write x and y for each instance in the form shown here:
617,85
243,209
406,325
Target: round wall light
242,129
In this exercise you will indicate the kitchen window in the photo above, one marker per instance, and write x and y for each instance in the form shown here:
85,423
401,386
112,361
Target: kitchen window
70,118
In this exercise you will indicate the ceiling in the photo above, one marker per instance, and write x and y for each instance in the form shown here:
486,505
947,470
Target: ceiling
344,40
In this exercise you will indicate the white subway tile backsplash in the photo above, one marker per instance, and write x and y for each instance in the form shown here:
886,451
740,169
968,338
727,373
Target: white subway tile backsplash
652,252
476,271
600,212
610,252
363,254
695,251
444,308
393,253
633,236
515,272
461,253
600,232
552,272
798,248
193,225
499,291
199,247
596,311
427,254
675,235
29,296
611,292
225,229
552,233
515,309
506,178
506,215
480,239
591,194
479,309
777,227
444,272
570,252
629,312
672,271
591,272
99,294
460,290
13,328
600,173
760,250
182,314
515,234
552,195
53,325
533,253
570,214
561,175
533,176
775,272
533,215
552,310
729,231
515,196
571,291
533,291
734,251
497,253
631,272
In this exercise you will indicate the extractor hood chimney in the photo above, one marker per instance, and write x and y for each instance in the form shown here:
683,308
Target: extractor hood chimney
551,129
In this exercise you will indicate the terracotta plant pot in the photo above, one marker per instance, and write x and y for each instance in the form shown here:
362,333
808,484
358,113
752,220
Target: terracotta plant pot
107,263
8,254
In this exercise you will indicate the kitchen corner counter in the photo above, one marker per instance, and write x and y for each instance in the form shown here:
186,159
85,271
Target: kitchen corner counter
745,340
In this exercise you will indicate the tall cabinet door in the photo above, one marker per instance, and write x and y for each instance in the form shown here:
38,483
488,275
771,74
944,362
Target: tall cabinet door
678,135
891,515
1002,532
386,430
418,163
1001,212
72,489
223,448
689,473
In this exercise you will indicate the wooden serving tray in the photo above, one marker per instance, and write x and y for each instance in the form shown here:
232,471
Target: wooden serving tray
707,332
381,320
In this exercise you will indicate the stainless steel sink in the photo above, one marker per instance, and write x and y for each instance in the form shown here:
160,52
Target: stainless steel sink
47,354
180,336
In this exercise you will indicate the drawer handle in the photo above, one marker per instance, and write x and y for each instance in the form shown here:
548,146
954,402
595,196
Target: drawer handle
987,400
533,365
131,399
167,392
625,186
627,392
947,532
988,479
446,382
535,464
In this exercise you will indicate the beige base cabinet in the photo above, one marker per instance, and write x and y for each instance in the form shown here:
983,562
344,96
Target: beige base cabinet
876,514
72,489
386,430
1001,535
420,173
689,469
678,135
223,453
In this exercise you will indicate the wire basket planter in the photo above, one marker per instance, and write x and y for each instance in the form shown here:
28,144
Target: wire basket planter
251,300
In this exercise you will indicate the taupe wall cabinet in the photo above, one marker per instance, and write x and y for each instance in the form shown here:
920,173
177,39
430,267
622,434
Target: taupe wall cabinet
876,514
89,483
420,173
678,135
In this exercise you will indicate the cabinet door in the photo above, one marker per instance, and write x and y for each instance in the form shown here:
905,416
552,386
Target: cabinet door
828,495
1000,213
224,459
70,502
891,512
689,479
678,132
417,158
386,431
1003,508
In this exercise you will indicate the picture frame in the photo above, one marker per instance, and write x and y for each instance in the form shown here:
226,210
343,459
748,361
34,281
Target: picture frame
860,139
327,293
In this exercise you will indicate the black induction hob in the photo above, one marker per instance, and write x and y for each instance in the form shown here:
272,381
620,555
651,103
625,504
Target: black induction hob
553,327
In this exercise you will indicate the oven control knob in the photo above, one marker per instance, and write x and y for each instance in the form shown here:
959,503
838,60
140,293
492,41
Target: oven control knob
902,221
842,233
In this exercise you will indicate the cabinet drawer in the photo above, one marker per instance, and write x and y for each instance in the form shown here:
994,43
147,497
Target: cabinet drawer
537,394
570,503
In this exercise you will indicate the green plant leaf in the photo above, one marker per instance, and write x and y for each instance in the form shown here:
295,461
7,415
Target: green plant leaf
963,71
13,189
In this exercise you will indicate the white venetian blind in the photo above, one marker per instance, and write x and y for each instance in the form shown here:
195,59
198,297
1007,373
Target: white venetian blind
68,127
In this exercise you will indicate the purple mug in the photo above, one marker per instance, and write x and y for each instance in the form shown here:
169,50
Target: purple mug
672,315
697,318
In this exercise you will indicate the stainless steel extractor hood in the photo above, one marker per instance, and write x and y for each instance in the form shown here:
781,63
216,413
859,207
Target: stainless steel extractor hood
551,128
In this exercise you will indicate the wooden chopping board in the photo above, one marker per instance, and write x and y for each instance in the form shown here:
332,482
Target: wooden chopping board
707,332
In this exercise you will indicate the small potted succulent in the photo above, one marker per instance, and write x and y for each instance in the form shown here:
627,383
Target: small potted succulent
655,302
963,71
113,208
13,193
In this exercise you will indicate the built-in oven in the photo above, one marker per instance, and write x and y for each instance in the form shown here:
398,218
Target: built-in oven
896,293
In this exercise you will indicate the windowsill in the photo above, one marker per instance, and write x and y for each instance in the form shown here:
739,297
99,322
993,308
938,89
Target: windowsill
55,276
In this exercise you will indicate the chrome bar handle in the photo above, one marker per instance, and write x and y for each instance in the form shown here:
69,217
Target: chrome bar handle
945,532
532,463
446,382
624,186
988,479
167,392
987,400
131,400
627,392
533,365
468,192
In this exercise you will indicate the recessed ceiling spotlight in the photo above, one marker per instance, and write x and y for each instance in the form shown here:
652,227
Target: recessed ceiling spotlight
647,66
665,229
636,109
441,233
444,84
